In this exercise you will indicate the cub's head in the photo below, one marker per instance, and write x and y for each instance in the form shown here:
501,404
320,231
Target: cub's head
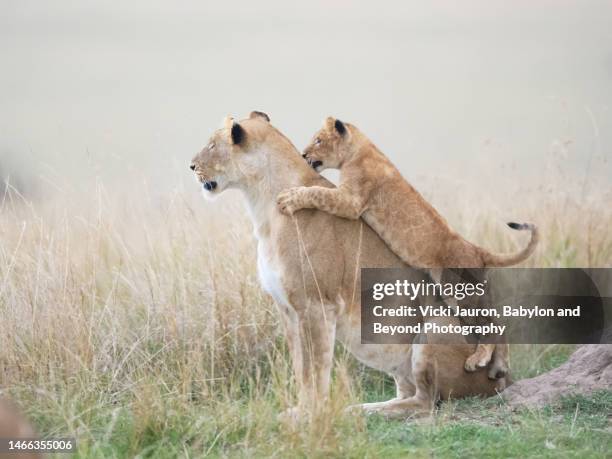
231,154
328,146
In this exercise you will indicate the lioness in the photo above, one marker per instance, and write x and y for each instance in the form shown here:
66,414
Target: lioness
372,187
310,264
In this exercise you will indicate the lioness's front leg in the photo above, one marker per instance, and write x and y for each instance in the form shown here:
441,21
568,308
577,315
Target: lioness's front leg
310,334
336,201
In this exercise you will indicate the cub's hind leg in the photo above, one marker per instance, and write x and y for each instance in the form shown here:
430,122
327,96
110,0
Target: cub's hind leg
480,358
493,351
494,354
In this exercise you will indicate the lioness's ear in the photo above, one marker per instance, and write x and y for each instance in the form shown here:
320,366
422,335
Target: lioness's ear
329,122
256,114
340,127
237,134
228,121
236,131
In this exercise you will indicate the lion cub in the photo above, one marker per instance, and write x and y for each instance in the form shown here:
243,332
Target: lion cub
371,187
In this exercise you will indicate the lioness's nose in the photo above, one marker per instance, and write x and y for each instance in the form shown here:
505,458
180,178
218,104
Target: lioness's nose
192,167
304,155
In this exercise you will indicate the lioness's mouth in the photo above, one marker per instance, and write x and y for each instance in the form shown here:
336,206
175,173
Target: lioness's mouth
209,185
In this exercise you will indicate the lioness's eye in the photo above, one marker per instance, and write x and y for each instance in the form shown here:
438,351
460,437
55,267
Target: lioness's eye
317,141
211,146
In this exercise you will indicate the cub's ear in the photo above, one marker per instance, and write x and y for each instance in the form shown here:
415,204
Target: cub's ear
256,114
340,127
333,124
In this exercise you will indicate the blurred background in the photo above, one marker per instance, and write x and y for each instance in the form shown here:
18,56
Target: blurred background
474,90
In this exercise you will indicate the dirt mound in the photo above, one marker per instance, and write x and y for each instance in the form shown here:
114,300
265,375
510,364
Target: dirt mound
588,369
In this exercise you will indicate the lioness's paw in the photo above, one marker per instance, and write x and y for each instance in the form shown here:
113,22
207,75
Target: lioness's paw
362,409
287,201
354,409
393,409
291,416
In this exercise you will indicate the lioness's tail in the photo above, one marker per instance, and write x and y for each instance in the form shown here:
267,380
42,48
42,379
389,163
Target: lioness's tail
500,260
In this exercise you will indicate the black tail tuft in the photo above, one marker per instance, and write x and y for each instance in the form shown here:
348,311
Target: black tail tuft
516,226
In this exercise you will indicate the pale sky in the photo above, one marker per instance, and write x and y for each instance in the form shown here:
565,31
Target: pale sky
120,88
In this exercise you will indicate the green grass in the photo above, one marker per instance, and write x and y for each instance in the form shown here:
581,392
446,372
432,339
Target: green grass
577,426
156,422
488,429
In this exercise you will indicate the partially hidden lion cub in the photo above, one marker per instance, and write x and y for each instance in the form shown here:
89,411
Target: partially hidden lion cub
14,426
371,187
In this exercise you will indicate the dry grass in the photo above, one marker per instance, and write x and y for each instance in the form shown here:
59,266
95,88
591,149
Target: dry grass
138,325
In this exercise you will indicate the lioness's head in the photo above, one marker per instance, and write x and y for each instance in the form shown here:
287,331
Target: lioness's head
231,157
329,146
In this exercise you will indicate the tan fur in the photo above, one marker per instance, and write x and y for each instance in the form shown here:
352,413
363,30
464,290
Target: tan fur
371,187
310,264
14,426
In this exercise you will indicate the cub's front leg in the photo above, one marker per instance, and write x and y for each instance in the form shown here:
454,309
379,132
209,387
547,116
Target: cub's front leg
336,201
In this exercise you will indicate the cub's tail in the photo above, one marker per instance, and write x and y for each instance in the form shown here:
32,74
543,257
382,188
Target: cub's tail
500,260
